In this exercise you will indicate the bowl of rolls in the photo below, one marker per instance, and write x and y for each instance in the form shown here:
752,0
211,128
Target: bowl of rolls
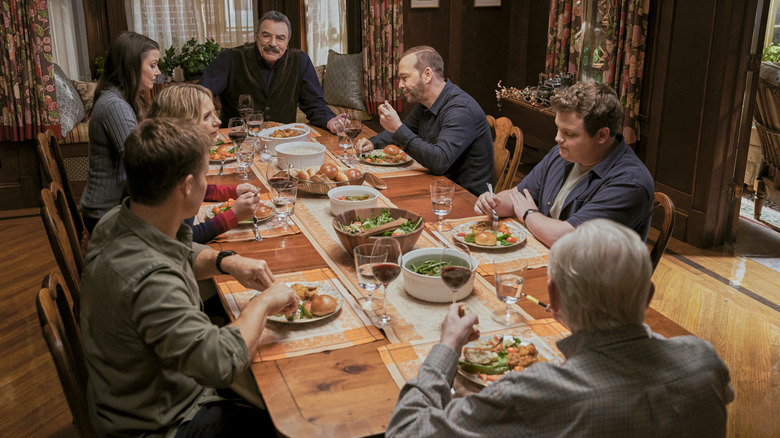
320,180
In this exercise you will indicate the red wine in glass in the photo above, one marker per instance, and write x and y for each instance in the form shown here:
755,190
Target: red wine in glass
237,137
386,272
455,276
352,133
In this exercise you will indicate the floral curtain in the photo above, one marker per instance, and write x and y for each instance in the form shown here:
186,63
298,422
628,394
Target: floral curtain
382,49
563,52
627,44
27,95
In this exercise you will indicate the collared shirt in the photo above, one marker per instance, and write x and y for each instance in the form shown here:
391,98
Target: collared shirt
152,355
623,382
619,188
220,74
451,138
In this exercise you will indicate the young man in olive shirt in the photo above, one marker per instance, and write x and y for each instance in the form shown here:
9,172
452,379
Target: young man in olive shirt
154,358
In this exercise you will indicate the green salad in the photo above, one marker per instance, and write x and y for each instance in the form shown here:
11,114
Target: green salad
361,224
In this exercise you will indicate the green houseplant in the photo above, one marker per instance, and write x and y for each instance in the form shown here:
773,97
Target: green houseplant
771,53
194,57
169,62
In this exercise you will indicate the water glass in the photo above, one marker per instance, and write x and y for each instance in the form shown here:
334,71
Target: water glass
245,156
509,288
284,202
442,195
254,123
365,259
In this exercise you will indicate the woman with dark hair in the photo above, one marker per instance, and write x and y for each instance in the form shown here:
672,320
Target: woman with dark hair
193,103
120,102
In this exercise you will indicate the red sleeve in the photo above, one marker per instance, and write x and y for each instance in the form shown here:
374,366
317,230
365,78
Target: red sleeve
216,192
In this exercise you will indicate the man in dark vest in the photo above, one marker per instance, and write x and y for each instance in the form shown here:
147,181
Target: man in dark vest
278,79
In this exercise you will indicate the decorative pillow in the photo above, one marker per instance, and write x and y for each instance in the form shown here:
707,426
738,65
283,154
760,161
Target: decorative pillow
68,101
320,71
87,91
344,85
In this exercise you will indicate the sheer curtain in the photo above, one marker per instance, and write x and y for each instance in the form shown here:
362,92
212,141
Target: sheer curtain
326,28
69,38
174,22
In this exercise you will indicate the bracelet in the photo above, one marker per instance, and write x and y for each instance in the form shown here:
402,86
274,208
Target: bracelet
222,255
529,211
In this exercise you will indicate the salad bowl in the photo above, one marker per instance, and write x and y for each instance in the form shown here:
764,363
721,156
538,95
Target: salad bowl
350,240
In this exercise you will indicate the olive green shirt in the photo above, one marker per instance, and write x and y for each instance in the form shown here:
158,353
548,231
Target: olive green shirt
152,355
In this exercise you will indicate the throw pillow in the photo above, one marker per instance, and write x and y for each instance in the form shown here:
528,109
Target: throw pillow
344,83
68,101
87,91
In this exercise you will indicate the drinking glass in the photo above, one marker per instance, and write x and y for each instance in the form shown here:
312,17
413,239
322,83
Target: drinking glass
284,202
245,155
352,130
254,123
278,178
460,270
442,194
344,142
509,288
386,272
365,258
245,106
237,135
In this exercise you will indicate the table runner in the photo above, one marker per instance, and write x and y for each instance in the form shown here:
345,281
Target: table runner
279,340
418,320
245,231
403,360
533,250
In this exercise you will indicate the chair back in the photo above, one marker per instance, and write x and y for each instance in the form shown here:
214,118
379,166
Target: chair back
664,202
50,156
505,161
62,236
60,330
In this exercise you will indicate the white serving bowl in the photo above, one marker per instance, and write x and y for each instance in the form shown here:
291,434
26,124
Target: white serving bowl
292,153
338,206
272,142
432,289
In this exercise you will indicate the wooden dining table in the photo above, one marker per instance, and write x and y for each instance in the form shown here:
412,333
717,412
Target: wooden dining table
349,392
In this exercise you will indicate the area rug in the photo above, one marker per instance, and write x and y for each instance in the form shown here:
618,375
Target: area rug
770,213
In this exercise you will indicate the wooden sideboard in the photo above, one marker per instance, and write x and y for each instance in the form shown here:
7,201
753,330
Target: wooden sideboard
537,124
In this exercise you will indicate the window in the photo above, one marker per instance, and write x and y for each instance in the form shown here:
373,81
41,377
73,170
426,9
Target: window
773,25
326,28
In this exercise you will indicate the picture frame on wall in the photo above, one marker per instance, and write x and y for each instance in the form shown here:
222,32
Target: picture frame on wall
487,3
425,3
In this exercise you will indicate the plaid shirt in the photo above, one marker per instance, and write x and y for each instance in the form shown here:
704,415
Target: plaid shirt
617,383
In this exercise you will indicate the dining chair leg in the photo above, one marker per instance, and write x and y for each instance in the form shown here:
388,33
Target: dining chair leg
760,189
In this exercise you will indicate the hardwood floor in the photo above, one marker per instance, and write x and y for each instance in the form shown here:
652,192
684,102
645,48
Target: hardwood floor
731,301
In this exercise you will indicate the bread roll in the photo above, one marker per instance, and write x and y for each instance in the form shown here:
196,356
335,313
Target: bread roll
391,149
312,171
323,305
341,177
486,238
329,170
302,175
353,174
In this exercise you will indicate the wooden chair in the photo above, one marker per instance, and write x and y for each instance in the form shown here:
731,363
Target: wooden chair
767,120
62,236
664,202
505,162
58,323
53,165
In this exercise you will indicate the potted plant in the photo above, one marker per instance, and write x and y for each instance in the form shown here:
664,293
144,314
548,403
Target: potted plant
194,57
168,63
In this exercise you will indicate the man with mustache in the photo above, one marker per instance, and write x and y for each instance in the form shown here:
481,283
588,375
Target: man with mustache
447,131
279,79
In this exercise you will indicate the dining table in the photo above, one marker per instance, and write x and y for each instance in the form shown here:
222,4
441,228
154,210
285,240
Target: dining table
345,382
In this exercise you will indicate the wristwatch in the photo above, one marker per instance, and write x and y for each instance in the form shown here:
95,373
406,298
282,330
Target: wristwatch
529,211
222,255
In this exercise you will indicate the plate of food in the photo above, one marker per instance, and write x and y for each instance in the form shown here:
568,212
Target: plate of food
318,301
482,235
222,152
263,213
488,358
391,155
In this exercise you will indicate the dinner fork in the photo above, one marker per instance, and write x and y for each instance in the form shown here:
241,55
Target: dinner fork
258,237
495,216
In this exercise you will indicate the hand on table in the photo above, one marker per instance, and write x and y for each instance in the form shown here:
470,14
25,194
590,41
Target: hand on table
279,299
244,188
338,123
363,145
389,118
251,273
456,330
245,206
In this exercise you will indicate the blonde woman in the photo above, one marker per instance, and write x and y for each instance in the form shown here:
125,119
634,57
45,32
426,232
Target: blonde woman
193,103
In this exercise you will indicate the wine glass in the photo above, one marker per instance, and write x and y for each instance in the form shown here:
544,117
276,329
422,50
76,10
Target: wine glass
237,135
459,270
245,155
509,288
365,258
245,106
442,194
386,272
284,202
254,123
352,130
